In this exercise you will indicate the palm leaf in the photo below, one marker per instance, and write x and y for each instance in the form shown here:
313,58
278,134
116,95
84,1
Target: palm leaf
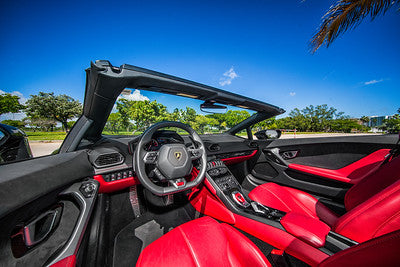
345,15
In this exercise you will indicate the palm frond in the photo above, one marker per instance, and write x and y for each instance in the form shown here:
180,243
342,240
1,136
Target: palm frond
345,15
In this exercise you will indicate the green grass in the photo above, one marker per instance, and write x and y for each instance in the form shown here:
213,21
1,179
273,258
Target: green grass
45,136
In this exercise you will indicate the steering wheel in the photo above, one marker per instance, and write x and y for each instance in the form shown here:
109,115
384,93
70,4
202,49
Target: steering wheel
172,162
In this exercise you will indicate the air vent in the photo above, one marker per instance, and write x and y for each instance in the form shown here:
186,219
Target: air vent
214,148
109,159
253,144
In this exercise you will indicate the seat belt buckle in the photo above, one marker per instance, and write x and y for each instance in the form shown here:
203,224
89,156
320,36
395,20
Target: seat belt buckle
278,258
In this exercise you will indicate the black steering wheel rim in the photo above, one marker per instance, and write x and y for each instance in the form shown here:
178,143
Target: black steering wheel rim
140,154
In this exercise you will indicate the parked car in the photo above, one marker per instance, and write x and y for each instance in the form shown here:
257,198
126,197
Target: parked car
13,144
173,197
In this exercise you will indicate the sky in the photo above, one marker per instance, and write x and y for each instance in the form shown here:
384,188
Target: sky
259,49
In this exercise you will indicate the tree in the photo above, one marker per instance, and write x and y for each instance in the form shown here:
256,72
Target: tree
39,123
114,122
143,113
364,119
10,103
345,15
15,123
60,108
392,125
203,123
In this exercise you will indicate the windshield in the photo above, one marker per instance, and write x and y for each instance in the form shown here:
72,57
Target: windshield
134,111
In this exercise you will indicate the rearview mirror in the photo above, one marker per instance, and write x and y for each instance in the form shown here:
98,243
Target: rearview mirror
211,107
268,134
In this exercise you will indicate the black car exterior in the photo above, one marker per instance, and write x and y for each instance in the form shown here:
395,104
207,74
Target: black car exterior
13,144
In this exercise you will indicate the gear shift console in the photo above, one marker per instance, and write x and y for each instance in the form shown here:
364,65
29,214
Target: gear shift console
232,190
270,213
240,199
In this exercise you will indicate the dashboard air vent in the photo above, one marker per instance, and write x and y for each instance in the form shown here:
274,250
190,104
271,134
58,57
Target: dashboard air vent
109,159
214,148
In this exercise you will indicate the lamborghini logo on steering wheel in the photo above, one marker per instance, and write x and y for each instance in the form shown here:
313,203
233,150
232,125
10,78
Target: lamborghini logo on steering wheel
178,155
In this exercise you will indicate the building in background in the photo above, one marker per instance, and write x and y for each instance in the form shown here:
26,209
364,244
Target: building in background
376,121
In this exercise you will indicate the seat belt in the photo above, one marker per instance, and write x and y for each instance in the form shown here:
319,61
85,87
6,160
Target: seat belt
394,152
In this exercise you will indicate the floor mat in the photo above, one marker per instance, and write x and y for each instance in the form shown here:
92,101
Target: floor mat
149,232
132,239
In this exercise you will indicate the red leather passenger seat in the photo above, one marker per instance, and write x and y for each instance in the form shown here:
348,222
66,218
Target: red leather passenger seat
202,242
373,204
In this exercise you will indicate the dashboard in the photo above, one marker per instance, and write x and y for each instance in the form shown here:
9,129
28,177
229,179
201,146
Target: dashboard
117,152
163,137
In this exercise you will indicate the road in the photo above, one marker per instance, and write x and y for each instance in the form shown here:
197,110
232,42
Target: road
42,148
291,135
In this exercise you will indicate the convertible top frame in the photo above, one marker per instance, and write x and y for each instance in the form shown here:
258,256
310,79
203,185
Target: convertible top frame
105,82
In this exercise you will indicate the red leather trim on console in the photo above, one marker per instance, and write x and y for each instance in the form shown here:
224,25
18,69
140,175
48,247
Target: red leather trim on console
351,173
210,186
281,240
234,160
311,231
107,187
66,262
204,202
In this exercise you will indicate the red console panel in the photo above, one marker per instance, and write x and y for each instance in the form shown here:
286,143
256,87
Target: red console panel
112,182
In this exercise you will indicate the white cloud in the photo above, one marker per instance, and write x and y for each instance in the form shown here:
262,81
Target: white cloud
14,116
229,76
373,82
134,96
292,93
22,99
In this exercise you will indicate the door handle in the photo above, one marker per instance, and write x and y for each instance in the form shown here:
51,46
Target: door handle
290,154
37,230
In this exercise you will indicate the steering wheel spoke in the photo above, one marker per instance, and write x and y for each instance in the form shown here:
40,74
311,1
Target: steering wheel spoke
159,174
178,183
150,157
195,153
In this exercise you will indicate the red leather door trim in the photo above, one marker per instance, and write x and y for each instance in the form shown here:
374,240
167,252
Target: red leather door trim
352,173
66,262
234,160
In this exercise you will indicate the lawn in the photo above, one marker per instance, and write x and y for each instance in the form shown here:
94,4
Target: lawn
45,136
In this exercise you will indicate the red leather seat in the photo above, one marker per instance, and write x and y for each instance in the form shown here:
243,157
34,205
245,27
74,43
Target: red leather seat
202,242
205,242
372,204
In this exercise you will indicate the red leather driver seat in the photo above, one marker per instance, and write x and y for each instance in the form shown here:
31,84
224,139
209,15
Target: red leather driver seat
205,242
202,242
372,204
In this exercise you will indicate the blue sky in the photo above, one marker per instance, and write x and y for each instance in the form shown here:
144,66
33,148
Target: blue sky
45,46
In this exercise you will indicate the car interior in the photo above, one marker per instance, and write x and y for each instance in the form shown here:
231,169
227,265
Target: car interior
173,197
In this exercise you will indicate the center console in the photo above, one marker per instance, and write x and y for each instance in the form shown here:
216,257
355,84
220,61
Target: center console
231,193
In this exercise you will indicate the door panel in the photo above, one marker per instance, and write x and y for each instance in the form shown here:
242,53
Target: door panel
324,167
32,189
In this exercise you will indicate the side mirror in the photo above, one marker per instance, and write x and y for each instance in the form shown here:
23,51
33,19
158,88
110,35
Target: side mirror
268,134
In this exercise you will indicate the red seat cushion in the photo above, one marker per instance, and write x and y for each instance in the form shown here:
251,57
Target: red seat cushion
202,242
291,200
381,251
